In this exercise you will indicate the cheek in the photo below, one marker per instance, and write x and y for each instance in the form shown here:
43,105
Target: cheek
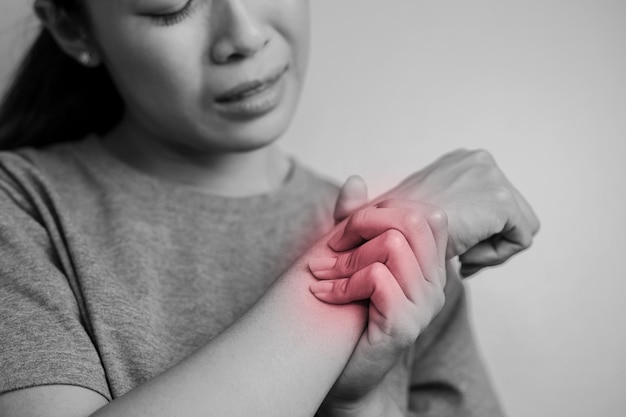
155,68
291,19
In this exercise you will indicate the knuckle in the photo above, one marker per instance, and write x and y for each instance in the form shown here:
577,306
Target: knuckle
348,263
438,218
414,221
492,174
459,151
483,156
356,220
503,195
378,271
526,240
394,240
361,218
341,287
457,154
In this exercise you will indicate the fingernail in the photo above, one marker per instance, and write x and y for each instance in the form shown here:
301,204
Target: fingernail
322,264
335,239
322,287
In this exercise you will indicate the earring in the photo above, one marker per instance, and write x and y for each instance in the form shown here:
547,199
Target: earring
85,58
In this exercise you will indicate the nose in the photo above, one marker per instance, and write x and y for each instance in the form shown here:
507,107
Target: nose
238,33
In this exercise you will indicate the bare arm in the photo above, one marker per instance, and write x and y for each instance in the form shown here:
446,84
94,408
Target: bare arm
283,356
279,359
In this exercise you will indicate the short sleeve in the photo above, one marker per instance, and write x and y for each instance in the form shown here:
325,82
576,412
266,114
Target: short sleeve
43,337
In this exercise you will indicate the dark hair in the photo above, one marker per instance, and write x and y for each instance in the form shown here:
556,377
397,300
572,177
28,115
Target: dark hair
53,98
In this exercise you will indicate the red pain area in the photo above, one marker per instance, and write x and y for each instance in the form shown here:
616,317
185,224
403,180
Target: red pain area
391,258
390,255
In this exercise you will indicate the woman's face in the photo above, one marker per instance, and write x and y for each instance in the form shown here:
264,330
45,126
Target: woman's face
205,75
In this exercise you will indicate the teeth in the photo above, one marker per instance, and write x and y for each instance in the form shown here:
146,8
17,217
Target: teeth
262,86
243,94
250,92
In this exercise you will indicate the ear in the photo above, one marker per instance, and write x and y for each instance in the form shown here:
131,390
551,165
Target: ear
69,32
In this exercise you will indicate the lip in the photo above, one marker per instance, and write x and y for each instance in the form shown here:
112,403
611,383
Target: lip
252,99
250,88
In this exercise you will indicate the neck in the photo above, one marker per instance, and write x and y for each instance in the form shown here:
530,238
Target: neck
230,174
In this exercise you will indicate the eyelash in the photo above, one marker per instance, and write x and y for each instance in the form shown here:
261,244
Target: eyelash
178,16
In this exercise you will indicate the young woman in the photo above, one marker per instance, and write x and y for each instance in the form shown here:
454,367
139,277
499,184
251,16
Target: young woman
160,256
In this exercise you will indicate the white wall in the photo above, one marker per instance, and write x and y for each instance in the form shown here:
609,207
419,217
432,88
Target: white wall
542,85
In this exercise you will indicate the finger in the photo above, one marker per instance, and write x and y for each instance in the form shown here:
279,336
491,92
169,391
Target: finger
496,250
372,221
469,270
374,282
515,237
437,220
391,315
532,221
522,223
392,249
368,223
353,194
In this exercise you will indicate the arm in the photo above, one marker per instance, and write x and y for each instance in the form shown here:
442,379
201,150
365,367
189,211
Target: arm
405,292
489,221
377,254
280,358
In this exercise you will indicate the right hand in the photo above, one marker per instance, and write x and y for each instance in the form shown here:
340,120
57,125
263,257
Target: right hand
394,255
489,219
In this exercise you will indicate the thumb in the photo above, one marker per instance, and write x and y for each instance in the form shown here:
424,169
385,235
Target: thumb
353,194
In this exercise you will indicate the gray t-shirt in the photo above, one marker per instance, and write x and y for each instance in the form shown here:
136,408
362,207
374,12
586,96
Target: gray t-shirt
108,276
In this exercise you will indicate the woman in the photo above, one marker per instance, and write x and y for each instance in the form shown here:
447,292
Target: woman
140,266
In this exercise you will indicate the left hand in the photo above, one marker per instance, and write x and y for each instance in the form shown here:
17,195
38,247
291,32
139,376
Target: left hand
394,255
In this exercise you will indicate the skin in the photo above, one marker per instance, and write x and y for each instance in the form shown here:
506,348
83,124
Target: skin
291,329
168,77
405,281
489,220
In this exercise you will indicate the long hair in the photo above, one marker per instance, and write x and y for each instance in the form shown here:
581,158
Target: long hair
52,98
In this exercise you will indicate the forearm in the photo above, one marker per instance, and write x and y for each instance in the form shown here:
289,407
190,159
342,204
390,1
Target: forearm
279,359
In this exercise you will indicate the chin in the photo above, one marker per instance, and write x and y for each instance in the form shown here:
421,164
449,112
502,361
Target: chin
250,135
248,143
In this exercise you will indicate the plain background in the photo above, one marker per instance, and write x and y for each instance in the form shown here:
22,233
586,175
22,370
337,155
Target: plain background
539,83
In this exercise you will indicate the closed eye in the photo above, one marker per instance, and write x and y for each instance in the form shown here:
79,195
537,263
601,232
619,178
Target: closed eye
171,18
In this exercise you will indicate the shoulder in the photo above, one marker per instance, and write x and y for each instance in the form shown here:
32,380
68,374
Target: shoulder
20,180
310,192
31,174
45,187
33,164
311,182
